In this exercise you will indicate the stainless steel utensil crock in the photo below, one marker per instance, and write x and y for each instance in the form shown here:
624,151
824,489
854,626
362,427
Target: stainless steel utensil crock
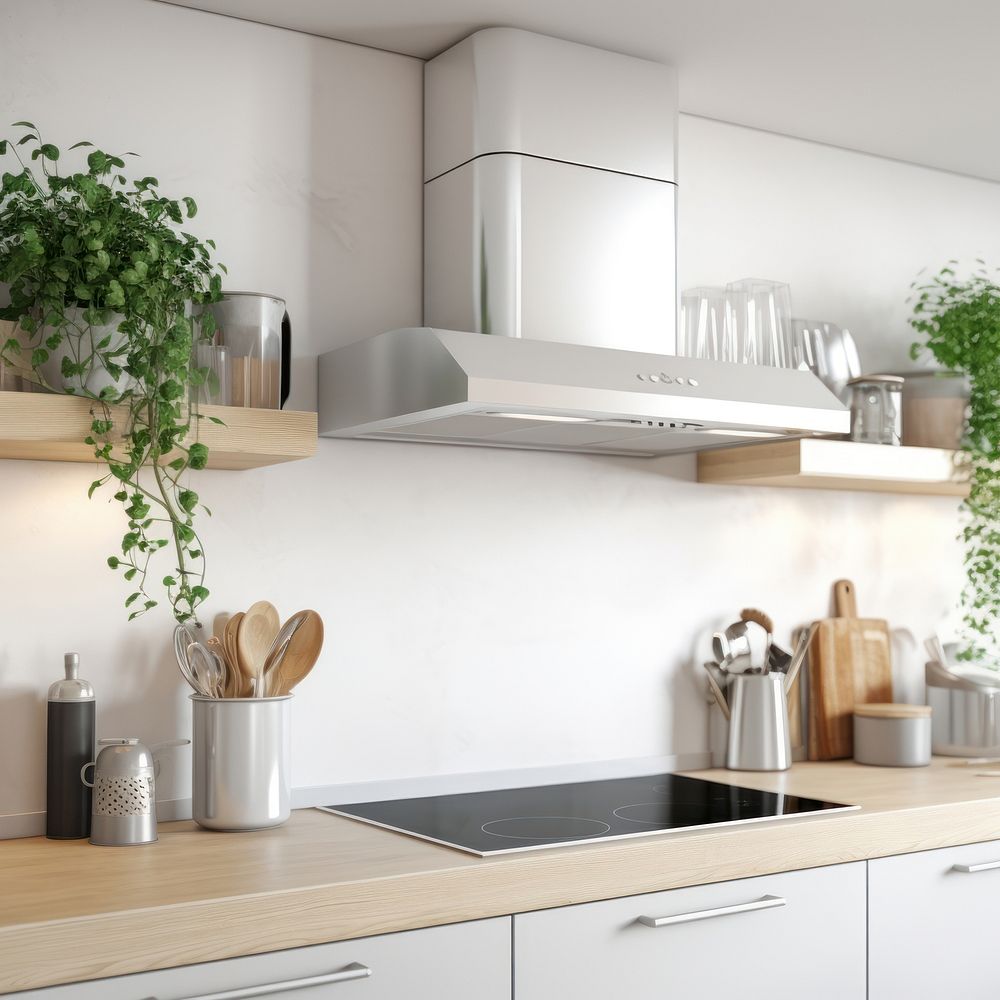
241,760
758,730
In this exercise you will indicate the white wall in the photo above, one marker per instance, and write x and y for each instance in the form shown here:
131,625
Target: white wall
484,609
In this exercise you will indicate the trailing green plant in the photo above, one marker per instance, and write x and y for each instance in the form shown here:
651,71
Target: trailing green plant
101,276
959,318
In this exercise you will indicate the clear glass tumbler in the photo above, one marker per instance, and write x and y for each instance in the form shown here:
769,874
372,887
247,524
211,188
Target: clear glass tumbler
759,315
704,331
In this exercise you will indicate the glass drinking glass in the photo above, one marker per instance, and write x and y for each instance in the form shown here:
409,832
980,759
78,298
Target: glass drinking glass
759,316
704,330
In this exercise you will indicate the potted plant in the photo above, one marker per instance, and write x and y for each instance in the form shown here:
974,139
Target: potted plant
105,288
959,318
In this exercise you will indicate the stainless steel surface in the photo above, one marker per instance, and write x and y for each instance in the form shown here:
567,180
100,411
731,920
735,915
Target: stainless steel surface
549,229
443,386
549,192
72,687
208,670
350,973
965,704
241,762
892,742
986,866
184,636
255,331
758,730
124,801
764,903
741,647
517,246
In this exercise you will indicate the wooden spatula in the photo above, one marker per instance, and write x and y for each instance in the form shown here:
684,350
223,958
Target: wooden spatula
850,663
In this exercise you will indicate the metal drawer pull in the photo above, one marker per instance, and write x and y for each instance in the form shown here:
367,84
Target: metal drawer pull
350,972
984,867
764,903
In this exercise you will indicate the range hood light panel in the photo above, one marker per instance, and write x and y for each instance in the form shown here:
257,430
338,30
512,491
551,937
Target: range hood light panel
550,417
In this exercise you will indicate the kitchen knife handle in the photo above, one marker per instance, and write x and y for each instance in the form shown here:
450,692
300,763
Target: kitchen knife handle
349,973
764,903
970,869
845,601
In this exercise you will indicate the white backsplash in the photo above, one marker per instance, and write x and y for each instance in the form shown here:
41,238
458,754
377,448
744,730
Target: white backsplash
486,610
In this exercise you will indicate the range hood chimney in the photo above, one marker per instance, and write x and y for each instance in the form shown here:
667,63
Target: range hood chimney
550,296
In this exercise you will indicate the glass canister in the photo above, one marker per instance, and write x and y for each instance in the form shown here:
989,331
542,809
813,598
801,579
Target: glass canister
876,409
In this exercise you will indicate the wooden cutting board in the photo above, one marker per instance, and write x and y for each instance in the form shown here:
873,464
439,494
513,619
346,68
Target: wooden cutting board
850,663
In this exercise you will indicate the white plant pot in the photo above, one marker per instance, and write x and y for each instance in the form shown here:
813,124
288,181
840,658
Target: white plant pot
79,341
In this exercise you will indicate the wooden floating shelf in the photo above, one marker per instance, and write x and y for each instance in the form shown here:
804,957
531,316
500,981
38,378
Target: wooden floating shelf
814,463
51,428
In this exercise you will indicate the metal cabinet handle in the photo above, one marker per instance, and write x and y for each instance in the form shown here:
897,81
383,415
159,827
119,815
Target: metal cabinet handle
350,972
764,903
984,867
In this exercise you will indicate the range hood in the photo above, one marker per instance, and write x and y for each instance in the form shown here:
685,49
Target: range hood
549,274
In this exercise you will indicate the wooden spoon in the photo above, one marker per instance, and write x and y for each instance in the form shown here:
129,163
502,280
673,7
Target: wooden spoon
300,654
229,634
254,638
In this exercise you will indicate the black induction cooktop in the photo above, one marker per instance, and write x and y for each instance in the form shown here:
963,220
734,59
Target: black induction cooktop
522,819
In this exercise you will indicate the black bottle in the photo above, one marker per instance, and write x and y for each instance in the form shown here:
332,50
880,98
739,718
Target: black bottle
70,745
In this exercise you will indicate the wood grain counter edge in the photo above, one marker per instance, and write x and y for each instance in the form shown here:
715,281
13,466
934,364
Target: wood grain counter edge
44,953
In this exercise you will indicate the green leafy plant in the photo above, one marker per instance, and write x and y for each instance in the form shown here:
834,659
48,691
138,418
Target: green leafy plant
959,317
102,279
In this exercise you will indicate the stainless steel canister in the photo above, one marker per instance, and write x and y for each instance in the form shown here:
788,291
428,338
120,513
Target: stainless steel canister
966,706
241,758
758,730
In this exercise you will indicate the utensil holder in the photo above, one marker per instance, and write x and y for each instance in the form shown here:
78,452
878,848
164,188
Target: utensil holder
241,759
758,731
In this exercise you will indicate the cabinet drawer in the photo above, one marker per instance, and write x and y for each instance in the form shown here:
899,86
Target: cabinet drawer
933,921
469,961
783,936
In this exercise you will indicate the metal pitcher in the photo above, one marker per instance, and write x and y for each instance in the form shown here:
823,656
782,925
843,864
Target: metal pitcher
758,730
256,334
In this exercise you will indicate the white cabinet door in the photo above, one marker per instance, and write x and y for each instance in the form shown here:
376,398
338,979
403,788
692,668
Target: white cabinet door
469,961
780,937
933,924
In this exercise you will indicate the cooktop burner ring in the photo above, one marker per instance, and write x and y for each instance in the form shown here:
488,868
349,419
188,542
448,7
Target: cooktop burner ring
655,812
569,827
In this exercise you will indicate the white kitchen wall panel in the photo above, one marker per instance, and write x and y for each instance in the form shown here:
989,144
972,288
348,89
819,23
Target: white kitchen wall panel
757,939
485,610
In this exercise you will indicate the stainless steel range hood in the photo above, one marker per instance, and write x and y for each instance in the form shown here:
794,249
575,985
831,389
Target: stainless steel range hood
549,274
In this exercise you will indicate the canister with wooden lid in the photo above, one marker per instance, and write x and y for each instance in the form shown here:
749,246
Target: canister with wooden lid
892,735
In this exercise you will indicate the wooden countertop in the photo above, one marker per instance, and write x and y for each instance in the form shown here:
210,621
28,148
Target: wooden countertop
70,911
